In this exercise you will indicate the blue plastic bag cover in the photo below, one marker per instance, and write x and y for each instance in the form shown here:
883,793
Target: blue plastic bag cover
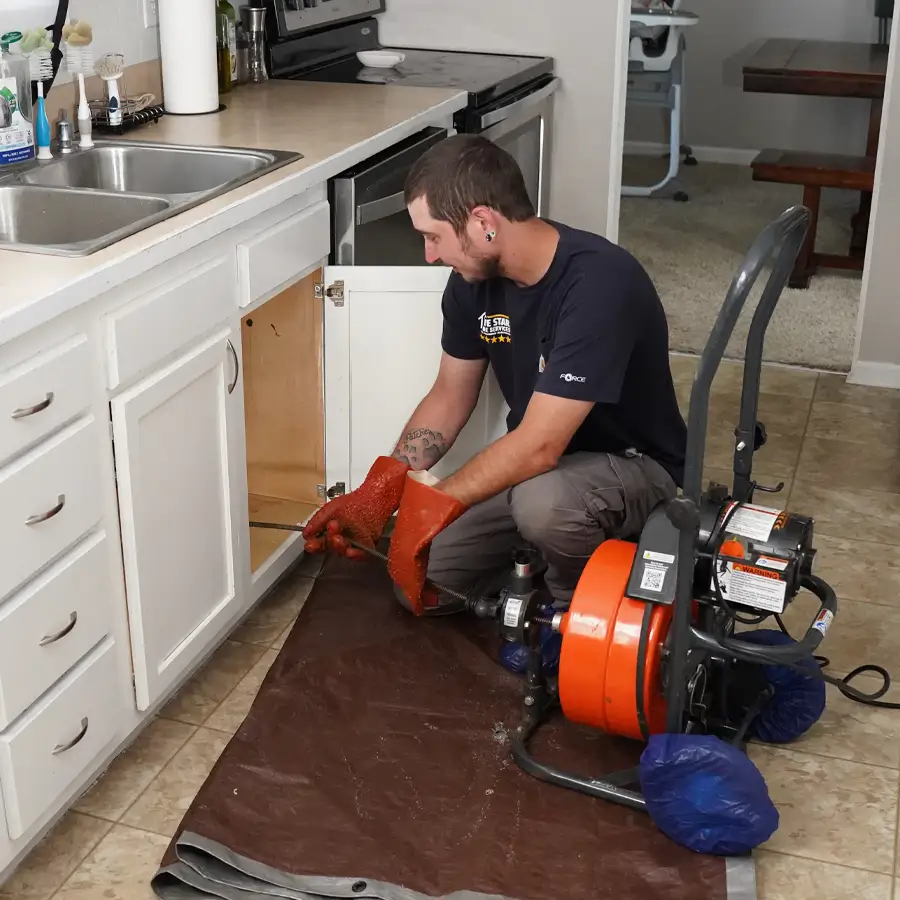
514,656
799,700
706,795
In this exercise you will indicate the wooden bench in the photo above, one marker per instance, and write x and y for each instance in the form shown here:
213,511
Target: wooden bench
815,171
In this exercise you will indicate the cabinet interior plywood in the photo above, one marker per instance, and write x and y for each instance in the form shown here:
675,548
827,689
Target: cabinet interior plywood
265,541
284,411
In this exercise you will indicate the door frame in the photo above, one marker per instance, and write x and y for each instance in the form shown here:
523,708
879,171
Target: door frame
617,129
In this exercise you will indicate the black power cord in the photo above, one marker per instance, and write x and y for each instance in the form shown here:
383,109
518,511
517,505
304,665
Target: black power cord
842,684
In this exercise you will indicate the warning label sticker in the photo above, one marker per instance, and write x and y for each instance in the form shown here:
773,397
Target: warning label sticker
655,556
754,522
512,611
753,587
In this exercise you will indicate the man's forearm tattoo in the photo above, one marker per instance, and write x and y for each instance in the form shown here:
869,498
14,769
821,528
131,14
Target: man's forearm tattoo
421,448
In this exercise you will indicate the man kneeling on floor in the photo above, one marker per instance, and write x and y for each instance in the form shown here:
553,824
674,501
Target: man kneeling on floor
578,340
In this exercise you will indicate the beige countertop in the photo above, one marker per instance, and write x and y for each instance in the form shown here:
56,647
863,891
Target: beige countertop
334,126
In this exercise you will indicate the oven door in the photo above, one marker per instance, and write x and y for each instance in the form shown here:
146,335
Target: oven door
524,127
370,222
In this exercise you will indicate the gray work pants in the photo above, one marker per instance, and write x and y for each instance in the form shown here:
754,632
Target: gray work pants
565,514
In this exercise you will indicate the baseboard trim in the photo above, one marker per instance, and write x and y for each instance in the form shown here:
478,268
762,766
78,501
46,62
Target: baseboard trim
730,155
875,374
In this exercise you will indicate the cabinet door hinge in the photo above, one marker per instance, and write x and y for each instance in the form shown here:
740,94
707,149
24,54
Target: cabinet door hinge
334,292
337,490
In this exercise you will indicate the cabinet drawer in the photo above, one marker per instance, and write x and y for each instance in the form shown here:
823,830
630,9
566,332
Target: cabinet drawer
48,627
48,499
281,253
59,739
43,392
162,321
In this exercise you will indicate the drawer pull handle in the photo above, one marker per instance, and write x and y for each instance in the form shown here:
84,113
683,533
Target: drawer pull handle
36,520
237,368
61,748
53,638
27,411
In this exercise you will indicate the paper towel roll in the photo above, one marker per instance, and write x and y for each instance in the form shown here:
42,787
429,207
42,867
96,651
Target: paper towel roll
187,44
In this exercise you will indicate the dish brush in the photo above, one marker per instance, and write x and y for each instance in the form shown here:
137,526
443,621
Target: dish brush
110,69
78,37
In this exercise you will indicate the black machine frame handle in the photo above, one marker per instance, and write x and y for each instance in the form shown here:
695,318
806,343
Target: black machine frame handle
781,240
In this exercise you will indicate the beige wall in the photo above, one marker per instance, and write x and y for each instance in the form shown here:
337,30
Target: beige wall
584,37
877,358
118,26
719,114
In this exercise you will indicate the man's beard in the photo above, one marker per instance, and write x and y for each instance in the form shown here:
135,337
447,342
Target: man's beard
488,267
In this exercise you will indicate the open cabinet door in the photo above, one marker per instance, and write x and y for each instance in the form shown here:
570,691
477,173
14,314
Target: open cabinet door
382,351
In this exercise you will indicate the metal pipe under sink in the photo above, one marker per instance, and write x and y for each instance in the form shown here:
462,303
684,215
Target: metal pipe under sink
85,200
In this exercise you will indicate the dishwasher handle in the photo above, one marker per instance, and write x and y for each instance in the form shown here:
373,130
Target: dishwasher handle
380,209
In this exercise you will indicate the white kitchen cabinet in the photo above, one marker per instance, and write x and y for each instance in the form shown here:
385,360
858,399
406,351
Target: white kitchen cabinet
180,502
383,349
333,368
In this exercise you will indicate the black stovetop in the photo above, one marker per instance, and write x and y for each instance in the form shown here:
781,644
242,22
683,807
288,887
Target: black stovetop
332,58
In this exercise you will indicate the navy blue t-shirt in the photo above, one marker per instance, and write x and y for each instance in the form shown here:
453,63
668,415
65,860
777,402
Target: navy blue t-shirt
593,328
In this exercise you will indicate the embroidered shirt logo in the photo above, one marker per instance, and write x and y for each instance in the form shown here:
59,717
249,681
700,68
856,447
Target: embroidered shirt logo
495,329
576,378
542,364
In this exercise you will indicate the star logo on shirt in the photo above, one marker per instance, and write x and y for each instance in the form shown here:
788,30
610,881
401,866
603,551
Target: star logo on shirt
495,329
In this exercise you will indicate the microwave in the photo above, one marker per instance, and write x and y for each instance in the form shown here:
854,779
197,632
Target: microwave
291,17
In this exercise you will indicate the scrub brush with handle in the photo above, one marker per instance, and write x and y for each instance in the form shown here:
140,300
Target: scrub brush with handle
110,69
41,66
77,38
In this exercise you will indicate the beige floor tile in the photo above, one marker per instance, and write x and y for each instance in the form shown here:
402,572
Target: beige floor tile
779,455
855,422
854,731
131,772
198,699
282,638
844,464
276,612
839,512
834,389
781,877
860,633
859,570
55,858
120,868
234,709
683,368
162,806
780,413
831,810
774,380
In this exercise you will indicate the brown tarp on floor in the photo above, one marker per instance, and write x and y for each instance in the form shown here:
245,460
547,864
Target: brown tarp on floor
375,763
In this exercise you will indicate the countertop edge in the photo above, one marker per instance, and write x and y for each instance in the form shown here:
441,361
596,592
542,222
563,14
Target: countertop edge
145,250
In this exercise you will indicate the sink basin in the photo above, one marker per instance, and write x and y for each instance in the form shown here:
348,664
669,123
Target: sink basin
66,222
85,200
149,169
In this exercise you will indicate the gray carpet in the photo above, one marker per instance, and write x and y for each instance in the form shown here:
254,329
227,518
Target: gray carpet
693,249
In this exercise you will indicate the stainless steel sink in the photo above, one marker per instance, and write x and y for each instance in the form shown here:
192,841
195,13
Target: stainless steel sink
149,169
85,200
70,222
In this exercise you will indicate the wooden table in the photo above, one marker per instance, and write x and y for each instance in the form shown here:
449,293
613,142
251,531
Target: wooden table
826,69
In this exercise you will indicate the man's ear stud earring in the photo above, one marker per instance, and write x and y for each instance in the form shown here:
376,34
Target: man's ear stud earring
490,235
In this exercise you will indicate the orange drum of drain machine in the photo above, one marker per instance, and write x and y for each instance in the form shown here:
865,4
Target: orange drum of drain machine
598,666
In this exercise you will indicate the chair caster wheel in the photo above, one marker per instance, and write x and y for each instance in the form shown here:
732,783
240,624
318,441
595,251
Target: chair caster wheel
690,160
681,197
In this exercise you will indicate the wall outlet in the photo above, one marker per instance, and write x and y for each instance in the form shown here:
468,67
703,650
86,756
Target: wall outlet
151,17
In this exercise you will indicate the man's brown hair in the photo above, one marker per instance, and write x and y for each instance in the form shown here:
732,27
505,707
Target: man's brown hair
465,171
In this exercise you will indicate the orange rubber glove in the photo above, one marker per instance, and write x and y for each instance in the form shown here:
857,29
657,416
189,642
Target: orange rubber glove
362,514
424,513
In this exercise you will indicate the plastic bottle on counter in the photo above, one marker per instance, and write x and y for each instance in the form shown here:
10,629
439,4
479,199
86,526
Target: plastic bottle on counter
16,114
227,40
